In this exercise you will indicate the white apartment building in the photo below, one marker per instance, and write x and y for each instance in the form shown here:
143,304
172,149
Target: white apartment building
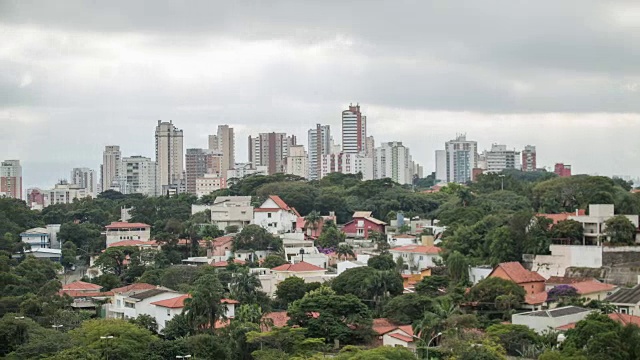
138,175
441,165
209,183
594,223
228,211
461,159
169,154
120,231
225,142
109,170
393,161
11,179
270,150
241,170
500,158
354,130
297,162
347,163
86,178
64,193
319,145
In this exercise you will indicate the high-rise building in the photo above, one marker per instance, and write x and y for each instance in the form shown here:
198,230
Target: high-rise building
11,179
441,165
529,158
319,144
139,176
354,130
169,154
393,161
109,170
86,178
500,158
200,162
370,147
297,162
562,170
462,158
65,193
224,142
347,163
35,198
270,150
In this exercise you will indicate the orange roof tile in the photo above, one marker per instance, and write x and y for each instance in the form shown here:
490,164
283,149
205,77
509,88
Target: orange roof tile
418,249
173,303
562,216
126,225
133,243
81,285
278,319
225,263
518,273
136,286
590,287
404,338
222,240
281,204
536,299
623,319
78,294
299,266
383,325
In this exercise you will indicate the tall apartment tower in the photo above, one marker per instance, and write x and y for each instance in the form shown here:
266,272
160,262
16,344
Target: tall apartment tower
461,159
370,147
109,171
393,161
354,130
139,176
85,178
501,158
11,179
319,144
270,150
201,162
224,142
297,161
169,154
529,158
562,170
441,165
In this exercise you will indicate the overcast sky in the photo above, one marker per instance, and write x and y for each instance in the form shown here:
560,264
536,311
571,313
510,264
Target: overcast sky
78,75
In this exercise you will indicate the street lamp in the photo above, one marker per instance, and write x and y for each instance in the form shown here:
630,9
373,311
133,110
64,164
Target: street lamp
429,343
57,327
501,182
183,357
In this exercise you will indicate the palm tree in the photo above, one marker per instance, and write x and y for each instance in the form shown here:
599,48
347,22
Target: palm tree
203,309
312,220
245,286
435,321
345,250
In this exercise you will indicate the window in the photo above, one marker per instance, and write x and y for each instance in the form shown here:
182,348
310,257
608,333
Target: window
168,312
269,215
623,311
129,305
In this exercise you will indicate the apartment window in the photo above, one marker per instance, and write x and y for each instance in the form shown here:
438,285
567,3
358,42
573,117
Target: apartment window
168,312
269,215
129,305
360,232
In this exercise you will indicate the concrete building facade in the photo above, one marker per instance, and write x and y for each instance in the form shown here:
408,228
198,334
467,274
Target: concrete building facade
529,158
109,170
461,159
138,175
201,162
500,158
270,150
169,153
393,161
347,163
319,145
11,179
354,130
86,178
297,162
225,142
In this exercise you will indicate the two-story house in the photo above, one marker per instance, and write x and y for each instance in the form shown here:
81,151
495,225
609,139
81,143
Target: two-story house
166,310
119,231
362,223
530,281
276,216
416,257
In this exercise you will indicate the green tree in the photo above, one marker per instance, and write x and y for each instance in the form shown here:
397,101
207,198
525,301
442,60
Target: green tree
291,289
178,327
458,268
203,309
345,250
406,308
513,338
487,291
273,260
312,220
286,341
146,322
330,236
382,262
254,237
251,313
432,286
568,229
620,230
114,258
368,283
245,286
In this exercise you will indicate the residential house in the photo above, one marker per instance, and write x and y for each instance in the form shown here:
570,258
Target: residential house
389,334
479,273
554,281
361,225
119,231
594,223
228,211
166,310
314,231
530,281
545,320
626,300
416,257
133,302
141,245
84,294
42,242
276,216
593,290
304,270
402,240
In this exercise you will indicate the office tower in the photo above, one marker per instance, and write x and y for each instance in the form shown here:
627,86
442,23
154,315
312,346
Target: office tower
562,170
169,154
441,165
11,179
297,162
109,170
270,150
224,141
85,178
393,161
200,162
529,158
500,158
461,159
319,144
139,176
347,163
354,130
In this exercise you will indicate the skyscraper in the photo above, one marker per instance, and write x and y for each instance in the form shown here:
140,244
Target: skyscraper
11,179
200,162
462,158
394,161
441,165
529,158
297,161
109,171
224,141
354,130
169,154
85,178
370,147
270,150
139,176
319,144
500,158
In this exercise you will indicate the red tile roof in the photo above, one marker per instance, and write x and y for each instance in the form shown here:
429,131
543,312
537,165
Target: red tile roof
623,319
278,319
173,303
536,299
383,325
222,240
281,204
266,209
300,266
562,216
404,338
225,263
81,285
518,273
133,243
418,249
126,225
590,287
79,294
136,286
